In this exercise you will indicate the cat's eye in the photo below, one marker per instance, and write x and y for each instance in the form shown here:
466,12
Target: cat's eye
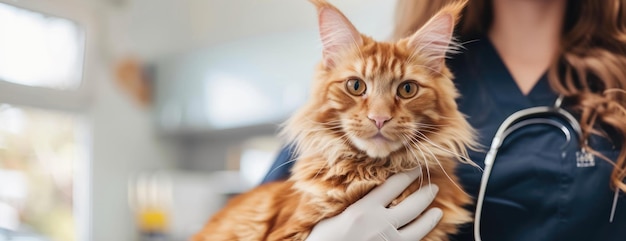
407,89
355,86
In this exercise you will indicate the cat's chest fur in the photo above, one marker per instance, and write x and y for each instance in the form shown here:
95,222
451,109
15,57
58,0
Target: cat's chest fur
342,183
327,190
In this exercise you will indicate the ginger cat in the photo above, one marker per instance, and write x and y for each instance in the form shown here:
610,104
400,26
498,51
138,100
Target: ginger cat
376,108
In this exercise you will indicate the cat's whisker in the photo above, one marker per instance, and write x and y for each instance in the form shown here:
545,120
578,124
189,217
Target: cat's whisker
435,128
454,154
429,128
448,117
431,125
319,171
436,160
439,134
421,177
426,164
418,146
281,165
315,130
414,144
318,128
467,42
433,132
329,124
333,124
462,156
326,122
437,131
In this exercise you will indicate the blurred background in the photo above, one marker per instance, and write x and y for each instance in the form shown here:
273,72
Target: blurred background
137,119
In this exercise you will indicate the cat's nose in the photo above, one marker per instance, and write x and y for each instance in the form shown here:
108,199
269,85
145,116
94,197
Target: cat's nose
379,120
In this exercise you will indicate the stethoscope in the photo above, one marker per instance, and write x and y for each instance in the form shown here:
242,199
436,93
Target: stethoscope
519,119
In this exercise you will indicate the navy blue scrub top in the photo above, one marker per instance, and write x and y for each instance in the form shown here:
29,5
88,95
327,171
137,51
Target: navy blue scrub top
536,190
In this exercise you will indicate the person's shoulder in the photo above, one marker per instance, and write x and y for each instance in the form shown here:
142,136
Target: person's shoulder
466,48
466,58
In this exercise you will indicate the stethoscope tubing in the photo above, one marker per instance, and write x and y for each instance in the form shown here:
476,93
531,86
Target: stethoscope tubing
519,119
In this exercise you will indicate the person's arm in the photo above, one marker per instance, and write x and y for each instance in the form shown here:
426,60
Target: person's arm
281,168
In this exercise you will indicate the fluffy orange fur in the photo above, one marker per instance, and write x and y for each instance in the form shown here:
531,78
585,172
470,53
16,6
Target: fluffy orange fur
351,140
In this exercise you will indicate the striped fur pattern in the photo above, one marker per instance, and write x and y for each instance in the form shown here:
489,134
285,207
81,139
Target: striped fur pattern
343,153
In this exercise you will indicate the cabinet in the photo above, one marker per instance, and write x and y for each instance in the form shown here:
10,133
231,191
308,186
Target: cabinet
252,81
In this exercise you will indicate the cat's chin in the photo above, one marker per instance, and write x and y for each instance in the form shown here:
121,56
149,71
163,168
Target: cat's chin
376,147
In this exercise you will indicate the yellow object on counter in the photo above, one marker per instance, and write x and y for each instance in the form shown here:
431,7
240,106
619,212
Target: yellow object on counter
152,220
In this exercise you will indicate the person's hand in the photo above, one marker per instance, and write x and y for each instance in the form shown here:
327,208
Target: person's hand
368,219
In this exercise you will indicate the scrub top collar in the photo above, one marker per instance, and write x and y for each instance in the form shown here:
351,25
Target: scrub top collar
503,85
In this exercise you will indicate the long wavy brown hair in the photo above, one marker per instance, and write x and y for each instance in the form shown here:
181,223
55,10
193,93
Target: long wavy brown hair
590,71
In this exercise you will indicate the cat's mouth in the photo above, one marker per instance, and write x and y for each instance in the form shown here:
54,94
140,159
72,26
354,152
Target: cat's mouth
379,137
377,146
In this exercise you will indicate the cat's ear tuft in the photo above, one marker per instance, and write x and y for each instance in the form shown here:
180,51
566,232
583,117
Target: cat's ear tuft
435,39
336,31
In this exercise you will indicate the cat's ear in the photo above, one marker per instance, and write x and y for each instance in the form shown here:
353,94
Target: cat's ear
434,39
336,31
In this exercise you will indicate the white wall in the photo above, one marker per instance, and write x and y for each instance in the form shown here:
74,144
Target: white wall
153,28
124,142
123,138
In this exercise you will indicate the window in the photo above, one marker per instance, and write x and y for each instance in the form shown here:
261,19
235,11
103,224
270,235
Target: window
39,50
44,139
39,153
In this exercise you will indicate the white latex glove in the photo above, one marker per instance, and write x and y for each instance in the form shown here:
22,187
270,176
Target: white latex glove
368,219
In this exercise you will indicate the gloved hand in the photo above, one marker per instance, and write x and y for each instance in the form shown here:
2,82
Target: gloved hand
368,219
